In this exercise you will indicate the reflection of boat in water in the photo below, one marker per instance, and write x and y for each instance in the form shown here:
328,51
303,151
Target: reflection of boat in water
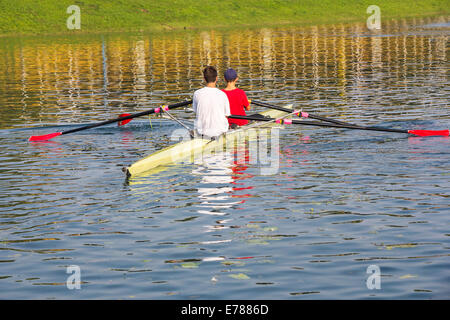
191,148
215,189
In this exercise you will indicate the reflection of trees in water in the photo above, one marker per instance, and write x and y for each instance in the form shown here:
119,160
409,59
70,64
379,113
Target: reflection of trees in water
66,79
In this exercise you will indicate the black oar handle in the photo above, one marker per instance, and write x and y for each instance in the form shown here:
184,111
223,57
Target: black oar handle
312,116
320,124
135,115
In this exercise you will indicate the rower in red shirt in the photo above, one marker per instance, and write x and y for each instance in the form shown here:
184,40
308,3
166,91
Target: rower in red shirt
237,98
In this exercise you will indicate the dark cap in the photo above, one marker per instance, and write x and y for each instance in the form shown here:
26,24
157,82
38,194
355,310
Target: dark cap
230,75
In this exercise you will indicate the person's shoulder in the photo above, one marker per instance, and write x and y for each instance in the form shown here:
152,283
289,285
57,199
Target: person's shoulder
223,94
241,93
199,90
220,92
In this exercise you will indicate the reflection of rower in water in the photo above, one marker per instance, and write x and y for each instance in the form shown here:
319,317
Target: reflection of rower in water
221,186
211,107
237,98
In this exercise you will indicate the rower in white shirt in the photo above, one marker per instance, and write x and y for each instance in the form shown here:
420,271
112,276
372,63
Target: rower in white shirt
211,106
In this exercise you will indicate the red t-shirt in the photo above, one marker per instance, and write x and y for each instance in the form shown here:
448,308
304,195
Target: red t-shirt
238,100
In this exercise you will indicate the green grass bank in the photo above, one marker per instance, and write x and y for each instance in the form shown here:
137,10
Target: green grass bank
50,16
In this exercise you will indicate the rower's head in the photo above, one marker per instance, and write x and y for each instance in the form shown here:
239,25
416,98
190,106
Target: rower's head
210,75
230,75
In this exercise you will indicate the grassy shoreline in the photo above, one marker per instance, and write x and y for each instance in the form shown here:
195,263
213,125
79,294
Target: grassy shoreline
29,17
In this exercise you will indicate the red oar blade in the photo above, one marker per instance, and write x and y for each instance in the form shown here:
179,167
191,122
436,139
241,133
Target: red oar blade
124,122
429,133
45,136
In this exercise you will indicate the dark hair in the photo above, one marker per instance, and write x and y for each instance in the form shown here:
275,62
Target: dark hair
210,74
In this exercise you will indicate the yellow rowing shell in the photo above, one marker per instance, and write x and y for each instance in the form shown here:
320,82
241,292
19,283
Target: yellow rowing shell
186,149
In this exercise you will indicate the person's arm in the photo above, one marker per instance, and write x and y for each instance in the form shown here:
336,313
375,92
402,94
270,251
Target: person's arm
245,101
194,102
227,105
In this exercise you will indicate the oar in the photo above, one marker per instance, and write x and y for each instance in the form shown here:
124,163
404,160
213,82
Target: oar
421,133
301,114
121,120
191,132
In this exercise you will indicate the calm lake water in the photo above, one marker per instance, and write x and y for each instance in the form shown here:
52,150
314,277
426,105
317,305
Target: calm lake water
341,200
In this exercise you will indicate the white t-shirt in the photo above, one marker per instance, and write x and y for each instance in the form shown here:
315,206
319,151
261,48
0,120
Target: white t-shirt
211,106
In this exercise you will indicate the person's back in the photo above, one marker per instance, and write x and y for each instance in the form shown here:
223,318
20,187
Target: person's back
211,107
236,97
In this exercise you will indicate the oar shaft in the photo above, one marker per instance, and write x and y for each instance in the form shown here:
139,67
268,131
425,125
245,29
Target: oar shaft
312,116
346,125
320,124
135,115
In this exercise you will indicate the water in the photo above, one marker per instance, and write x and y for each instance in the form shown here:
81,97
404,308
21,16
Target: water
339,202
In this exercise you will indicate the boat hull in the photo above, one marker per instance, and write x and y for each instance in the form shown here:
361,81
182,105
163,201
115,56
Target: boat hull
192,148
